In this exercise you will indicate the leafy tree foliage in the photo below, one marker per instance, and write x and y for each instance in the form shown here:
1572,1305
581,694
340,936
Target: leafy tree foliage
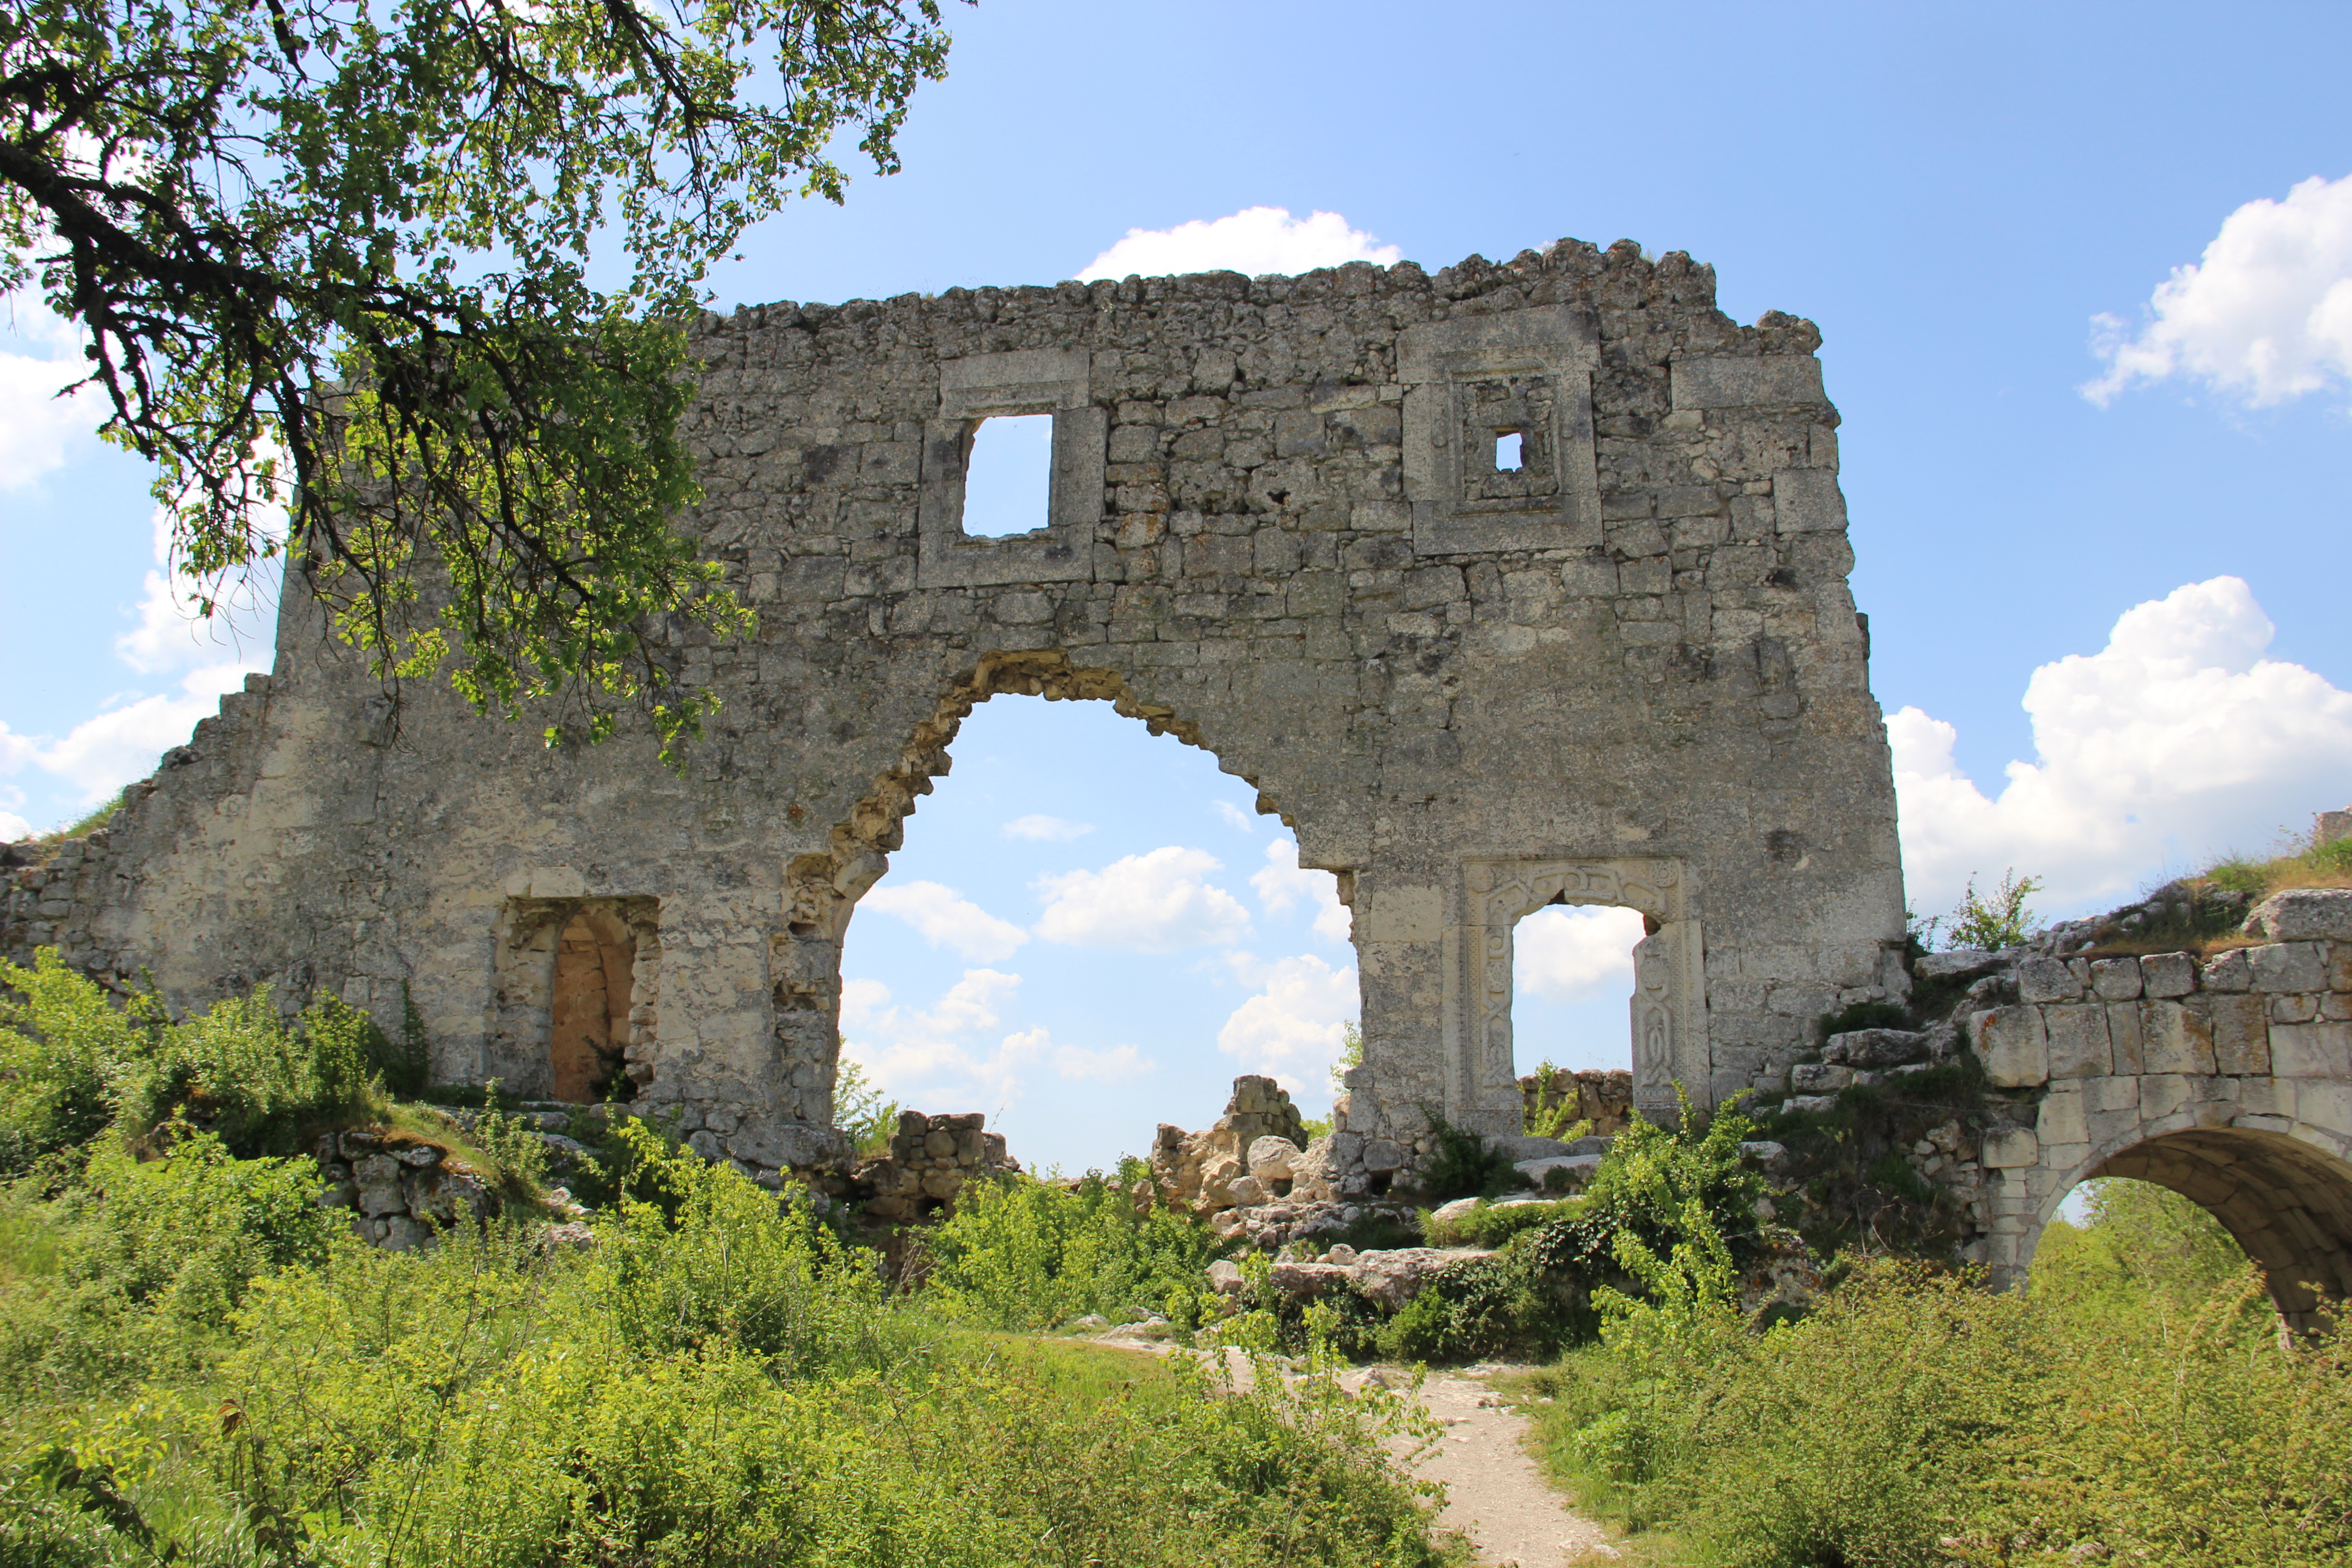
333,256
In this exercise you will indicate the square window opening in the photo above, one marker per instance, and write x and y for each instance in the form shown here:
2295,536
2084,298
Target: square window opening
1008,476
1507,451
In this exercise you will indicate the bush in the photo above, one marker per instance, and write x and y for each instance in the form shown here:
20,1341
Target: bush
1465,1165
1026,1254
2132,1407
63,1046
724,1385
265,1086
1488,1226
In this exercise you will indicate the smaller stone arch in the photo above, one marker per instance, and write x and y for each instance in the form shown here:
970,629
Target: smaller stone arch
2286,1202
588,1025
1668,1023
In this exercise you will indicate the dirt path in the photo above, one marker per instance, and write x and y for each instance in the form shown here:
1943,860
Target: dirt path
1494,1493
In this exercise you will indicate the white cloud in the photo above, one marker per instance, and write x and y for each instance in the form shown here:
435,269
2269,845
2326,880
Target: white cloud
1575,953
13,827
100,755
1045,829
1255,240
933,1054
937,1056
947,919
1281,883
38,430
1292,1027
2267,315
2176,741
1157,902
1235,815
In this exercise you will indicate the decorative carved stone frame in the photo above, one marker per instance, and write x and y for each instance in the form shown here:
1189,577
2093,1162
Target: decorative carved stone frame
1469,381
1669,1003
1031,381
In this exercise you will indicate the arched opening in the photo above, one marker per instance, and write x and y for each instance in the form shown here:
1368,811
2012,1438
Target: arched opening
1089,930
1572,1014
2287,1206
588,1025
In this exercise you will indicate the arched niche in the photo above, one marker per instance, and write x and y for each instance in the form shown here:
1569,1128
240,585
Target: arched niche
575,1016
1668,1011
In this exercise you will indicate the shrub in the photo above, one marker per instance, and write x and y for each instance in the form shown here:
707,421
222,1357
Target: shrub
63,1046
266,1086
1999,920
1026,1254
1488,1226
1465,1165
863,1111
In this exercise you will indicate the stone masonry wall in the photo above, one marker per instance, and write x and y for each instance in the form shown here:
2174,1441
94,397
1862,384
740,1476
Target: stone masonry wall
1627,671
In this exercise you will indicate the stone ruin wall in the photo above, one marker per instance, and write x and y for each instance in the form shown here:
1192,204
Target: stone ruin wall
1629,672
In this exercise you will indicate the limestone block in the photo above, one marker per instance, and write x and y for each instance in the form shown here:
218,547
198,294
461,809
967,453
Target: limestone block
2116,1093
2312,1051
2173,1039
2241,1025
1247,1192
1273,1159
2117,979
402,1233
2303,914
2078,1043
2229,972
2167,973
1383,1154
2047,980
1747,382
2123,1036
2011,1148
2014,1046
941,1182
2267,1097
2063,1118
2162,1095
1820,1077
2288,966
1876,1047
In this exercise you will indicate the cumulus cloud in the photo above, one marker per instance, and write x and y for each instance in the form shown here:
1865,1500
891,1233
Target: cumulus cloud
1158,902
947,919
1575,953
101,754
173,630
1043,829
940,1052
1235,815
1292,1028
1255,240
2175,741
38,430
2266,315
1282,883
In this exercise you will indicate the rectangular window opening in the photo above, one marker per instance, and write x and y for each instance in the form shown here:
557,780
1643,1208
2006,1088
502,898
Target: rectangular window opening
1507,452
1008,477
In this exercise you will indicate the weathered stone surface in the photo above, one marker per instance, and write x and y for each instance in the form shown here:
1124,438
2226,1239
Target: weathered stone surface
2303,914
1630,668
2174,1038
2167,973
2117,979
1876,1047
1820,1077
2078,1043
2013,1044
2047,980
2288,966
1963,963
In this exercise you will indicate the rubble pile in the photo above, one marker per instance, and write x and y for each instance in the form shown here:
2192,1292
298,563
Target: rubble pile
932,1159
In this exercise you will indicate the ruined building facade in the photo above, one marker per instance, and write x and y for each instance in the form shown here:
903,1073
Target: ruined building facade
1512,585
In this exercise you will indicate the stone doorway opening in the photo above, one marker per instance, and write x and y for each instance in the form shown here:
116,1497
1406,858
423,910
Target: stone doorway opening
1573,1013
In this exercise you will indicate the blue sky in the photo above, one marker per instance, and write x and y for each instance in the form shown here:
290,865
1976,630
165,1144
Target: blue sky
2108,628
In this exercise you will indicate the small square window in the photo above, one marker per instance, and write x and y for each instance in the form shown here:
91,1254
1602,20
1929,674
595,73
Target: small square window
1008,477
1507,452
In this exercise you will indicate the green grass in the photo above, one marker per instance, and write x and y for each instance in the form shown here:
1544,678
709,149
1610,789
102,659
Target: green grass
2137,1397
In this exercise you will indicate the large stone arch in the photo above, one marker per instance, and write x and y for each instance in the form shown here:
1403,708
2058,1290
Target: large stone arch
2285,1199
822,888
